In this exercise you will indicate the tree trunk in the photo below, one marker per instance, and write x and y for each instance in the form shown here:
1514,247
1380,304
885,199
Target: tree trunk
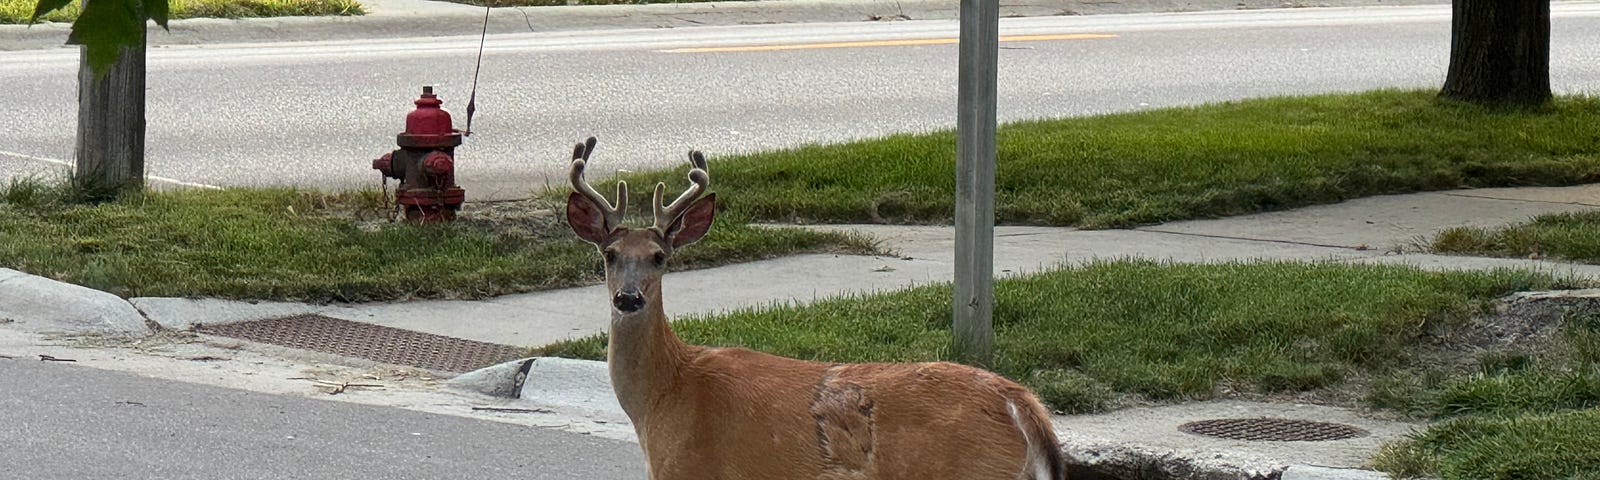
111,121
1499,52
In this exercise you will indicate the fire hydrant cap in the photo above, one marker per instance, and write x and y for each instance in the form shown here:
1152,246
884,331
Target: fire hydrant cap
429,125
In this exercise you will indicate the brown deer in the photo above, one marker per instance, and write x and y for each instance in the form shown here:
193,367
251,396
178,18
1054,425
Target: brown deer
733,413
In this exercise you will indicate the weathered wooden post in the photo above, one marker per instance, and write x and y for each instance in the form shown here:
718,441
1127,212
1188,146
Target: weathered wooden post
973,305
110,139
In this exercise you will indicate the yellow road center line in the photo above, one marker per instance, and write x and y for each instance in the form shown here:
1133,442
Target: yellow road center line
884,43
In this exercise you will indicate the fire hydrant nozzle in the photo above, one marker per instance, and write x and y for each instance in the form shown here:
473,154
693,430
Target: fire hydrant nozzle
425,163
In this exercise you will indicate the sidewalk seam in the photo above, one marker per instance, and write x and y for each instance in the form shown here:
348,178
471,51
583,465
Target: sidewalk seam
1523,200
1263,240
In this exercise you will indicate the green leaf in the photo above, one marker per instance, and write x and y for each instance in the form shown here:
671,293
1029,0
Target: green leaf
105,27
157,10
47,6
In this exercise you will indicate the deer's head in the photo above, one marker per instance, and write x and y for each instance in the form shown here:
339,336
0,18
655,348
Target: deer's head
635,258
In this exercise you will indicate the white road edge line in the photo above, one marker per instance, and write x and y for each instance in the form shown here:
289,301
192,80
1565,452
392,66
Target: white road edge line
173,181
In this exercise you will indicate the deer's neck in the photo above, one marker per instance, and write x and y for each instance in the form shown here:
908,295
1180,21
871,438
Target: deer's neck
644,358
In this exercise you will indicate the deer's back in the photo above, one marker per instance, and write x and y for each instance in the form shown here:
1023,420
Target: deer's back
743,414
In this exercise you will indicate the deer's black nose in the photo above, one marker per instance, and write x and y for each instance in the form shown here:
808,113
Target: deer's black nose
628,301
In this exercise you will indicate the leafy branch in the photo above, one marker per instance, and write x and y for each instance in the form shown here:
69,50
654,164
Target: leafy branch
107,26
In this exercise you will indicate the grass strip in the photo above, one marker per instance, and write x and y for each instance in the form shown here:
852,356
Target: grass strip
282,244
1521,415
19,11
1563,445
1083,337
1565,236
1177,163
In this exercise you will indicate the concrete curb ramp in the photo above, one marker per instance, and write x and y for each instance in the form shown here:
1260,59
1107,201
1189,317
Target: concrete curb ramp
41,305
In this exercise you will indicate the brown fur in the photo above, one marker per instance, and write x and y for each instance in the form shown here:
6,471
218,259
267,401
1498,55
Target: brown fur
730,413
736,414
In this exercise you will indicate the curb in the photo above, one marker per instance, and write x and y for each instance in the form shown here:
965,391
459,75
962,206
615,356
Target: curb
1315,472
185,313
41,305
575,388
430,18
501,381
1151,442
581,384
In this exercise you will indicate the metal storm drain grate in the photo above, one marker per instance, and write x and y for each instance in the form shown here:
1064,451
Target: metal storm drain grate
372,342
1272,429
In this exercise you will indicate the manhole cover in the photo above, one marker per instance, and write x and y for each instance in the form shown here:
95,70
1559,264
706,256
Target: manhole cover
372,342
1272,429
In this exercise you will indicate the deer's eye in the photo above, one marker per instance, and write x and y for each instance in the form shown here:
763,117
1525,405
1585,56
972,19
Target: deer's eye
611,257
660,259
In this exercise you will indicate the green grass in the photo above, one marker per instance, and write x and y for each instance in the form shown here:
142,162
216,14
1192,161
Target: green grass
280,244
1521,415
19,11
1501,393
1565,236
1082,337
1562,375
1564,445
1178,163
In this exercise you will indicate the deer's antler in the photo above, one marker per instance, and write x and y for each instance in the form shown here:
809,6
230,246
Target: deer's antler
613,215
699,180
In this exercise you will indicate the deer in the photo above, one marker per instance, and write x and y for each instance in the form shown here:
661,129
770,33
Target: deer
733,413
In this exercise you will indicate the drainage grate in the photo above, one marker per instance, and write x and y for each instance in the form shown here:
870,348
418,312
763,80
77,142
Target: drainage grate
1272,429
372,342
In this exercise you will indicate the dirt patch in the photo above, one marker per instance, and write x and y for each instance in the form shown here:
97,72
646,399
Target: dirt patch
527,219
1521,326
1539,323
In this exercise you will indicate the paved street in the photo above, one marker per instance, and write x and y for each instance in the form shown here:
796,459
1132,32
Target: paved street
67,422
314,114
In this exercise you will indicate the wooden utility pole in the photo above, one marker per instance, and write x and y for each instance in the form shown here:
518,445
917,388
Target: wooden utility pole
973,305
110,144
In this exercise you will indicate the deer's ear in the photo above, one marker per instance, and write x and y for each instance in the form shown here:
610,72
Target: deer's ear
586,219
694,223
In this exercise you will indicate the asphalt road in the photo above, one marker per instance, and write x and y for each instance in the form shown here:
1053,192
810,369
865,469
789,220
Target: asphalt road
65,422
315,113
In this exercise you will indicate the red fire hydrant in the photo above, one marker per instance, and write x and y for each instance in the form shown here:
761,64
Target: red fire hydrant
425,163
